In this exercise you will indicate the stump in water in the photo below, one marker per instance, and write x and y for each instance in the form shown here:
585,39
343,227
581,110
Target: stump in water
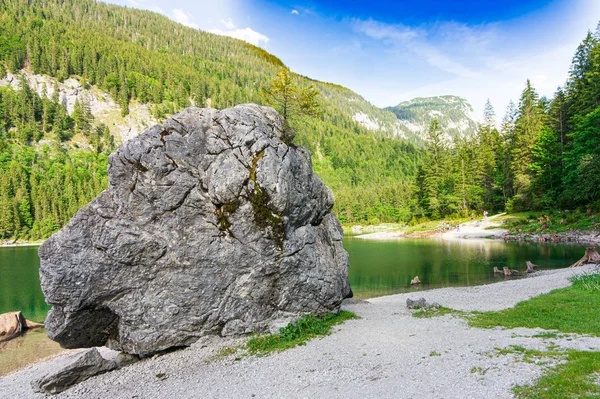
591,256
530,267
415,281
496,271
508,272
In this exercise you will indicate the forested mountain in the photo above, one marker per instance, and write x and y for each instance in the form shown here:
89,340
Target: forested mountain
454,114
53,158
75,70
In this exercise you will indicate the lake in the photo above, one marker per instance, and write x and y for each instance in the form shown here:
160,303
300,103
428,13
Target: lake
380,268
376,267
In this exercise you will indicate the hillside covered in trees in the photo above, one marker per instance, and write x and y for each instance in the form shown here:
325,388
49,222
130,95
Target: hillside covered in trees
143,57
546,154
53,160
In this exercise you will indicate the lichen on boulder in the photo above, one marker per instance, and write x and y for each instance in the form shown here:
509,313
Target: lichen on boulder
211,224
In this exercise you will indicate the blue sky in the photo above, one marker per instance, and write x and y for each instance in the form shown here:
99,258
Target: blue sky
394,51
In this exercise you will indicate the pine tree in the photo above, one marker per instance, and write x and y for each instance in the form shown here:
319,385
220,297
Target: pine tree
290,100
435,168
528,127
489,116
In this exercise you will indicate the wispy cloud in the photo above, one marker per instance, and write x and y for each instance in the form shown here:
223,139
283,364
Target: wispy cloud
295,12
419,41
184,18
247,34
228,23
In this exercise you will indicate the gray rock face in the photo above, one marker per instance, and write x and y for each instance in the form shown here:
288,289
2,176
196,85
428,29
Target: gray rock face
211,224
89,364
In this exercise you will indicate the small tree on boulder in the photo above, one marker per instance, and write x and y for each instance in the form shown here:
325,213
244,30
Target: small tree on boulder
289,99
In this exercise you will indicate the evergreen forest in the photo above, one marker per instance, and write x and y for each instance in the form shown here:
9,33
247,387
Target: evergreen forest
544,153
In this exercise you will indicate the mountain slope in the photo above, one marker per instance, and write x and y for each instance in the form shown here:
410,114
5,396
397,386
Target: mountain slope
455,115
134,62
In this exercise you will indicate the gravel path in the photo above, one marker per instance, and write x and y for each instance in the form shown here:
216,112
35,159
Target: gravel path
385,354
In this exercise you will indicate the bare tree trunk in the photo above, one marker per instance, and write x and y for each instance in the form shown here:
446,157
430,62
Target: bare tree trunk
591,256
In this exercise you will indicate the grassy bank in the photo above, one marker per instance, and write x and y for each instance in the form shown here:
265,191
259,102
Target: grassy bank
550,222
574,309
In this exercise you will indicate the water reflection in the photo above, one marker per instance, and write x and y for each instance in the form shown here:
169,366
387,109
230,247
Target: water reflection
386,267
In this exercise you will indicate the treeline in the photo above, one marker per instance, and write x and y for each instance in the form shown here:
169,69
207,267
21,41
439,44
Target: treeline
546,155
42,188
144,57
42,184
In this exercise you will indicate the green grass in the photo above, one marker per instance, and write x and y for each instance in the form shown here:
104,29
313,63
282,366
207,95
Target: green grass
575,378
573,309
558,222
296,334
437,312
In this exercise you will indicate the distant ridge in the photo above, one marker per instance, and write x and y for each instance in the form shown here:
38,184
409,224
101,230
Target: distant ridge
454,113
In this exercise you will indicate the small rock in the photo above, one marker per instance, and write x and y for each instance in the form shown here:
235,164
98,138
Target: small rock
88,365
12,324
421,303
416,303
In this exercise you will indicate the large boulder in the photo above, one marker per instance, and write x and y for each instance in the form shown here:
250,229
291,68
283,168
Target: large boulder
213,223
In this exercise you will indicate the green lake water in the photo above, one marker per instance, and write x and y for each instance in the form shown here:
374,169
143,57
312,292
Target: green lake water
20,283
376,267
380,268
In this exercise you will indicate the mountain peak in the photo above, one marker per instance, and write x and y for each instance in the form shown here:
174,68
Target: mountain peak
454,113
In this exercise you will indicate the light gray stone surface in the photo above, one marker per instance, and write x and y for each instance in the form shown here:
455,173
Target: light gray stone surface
88,365
212,224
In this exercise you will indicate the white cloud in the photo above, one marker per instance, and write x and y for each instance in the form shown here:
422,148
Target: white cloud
184,18
418,41
228,23
247,34
295,12
380,30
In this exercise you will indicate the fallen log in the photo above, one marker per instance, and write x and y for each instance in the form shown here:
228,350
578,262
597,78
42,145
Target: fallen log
591,256
530,267
13,324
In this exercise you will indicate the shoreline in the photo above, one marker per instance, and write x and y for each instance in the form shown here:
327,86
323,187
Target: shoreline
375,356
25,244
468,231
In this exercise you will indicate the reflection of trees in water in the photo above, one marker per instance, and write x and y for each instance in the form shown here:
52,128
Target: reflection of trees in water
384,268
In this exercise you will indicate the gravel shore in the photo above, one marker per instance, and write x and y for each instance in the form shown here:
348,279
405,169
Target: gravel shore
385,354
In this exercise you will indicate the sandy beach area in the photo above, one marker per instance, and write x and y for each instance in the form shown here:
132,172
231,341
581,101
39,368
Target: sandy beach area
488,228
